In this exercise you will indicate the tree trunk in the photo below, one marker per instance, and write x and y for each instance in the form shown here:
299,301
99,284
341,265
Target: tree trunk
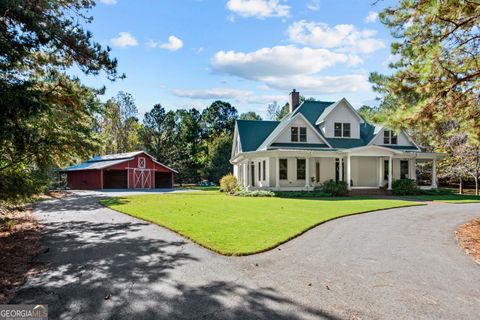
460,186
476,186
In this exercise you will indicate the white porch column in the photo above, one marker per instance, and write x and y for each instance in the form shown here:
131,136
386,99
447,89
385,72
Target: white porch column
277,172
307,173
434,174
380,172
249,174
245,174
390,172
349,167
340,160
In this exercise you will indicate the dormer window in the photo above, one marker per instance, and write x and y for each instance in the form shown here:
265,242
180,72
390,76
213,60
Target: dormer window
299,134
342,130
389,137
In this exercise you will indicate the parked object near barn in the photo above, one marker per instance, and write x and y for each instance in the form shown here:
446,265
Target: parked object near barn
131,170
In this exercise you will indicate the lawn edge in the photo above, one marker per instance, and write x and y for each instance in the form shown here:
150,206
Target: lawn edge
242,254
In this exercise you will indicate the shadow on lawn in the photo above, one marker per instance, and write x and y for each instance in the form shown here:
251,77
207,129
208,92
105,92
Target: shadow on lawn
111,270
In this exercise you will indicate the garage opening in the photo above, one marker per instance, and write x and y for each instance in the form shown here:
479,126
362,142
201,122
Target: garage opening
163,180
115,179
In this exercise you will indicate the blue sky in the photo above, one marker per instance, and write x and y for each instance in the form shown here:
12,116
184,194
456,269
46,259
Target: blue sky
188,53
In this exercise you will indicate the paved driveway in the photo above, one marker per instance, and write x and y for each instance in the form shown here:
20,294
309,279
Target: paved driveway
399,263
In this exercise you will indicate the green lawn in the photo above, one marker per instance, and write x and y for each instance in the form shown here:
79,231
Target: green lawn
450,198
242,225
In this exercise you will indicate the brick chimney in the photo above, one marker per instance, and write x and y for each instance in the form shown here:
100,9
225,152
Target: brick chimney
294,100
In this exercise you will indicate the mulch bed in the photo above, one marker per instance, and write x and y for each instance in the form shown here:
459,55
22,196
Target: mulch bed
468,236
19,245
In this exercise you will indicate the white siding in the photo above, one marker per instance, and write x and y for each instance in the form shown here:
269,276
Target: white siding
342,113
364,171
285,136
402,140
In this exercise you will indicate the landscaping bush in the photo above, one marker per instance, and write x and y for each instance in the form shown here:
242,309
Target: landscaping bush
254,193
335,188
229,184
405,187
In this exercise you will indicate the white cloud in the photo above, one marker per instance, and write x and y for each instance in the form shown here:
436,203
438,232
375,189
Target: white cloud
109,2
372,17
124,39
313,5
241,96
276,61
259,9
392,58
343,37
318,84
286,67
173,44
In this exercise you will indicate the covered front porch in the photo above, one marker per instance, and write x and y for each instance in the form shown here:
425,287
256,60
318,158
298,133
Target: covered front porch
362,168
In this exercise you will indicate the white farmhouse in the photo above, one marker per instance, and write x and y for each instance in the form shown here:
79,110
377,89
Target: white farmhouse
318,141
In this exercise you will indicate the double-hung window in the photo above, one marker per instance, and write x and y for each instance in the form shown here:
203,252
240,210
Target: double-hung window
341,129
299,134
389,137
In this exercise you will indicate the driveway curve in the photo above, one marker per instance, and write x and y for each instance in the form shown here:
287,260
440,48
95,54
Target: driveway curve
397,263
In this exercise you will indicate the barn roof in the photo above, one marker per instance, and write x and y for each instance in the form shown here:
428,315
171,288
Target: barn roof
101,162
92,165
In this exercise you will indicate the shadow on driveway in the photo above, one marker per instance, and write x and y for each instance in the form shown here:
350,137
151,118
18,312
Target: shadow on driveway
105,265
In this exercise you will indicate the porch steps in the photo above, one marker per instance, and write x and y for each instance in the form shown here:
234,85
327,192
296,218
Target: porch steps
370,192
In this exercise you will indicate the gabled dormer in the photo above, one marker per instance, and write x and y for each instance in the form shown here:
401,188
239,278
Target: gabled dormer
392,139
340,120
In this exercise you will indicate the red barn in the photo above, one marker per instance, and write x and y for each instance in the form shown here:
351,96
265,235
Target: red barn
131,170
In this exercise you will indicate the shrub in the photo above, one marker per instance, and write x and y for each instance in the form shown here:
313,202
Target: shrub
254,193
335,188
405,187
229,184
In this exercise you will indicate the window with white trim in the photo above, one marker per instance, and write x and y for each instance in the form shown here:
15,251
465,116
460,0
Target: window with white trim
141,163
342,129
389,137
299,134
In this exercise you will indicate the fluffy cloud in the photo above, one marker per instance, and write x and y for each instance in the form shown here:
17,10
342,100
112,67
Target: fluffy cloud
108,1
284,67
124,39
242,96
372,17
277,61
317,84
259,9
313,5
173,44
343,37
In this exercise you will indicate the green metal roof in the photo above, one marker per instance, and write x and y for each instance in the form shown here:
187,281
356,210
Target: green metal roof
398,147
253,132
294,145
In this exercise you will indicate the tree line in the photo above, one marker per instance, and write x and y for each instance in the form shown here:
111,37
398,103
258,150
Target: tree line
196,144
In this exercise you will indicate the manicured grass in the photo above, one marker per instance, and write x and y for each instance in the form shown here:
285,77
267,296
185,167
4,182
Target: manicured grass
450,198
201,188
239,225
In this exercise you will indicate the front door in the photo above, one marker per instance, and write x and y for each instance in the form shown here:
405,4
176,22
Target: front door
142,179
